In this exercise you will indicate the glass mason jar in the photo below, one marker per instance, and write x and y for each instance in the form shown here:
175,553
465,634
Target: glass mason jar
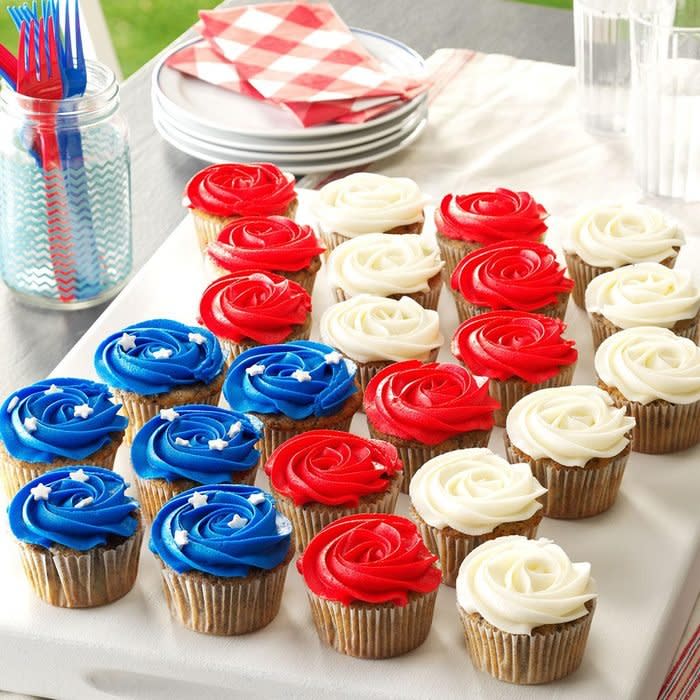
65,195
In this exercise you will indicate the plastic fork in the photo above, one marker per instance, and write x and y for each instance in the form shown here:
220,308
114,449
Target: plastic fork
8,67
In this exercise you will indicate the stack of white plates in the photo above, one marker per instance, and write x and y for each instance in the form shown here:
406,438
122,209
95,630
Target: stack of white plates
217,125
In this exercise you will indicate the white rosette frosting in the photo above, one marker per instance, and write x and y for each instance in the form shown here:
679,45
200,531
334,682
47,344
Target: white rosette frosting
368,203
384,264
649,363
369,328
474,491
570,425
517,584
612,235
644,294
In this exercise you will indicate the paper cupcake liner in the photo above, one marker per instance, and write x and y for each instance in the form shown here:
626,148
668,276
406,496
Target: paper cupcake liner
602,328
332,239
452,251
428,300
224,606
466,310
373,631
71,579
525,659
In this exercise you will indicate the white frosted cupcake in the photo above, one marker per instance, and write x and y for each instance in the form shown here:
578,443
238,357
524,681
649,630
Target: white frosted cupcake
645,294
376,331
526,609
463,498
387,266
655,375
368,203
577,442
607,236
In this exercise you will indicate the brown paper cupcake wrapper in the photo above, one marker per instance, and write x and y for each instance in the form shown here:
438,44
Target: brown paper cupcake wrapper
602,328
526,659
467,310
428,300
373,631
333,239
452,251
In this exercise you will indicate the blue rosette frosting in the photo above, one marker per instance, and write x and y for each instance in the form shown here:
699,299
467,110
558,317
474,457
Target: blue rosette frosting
223,530
297,379
77,507
61,417
205,444
157,356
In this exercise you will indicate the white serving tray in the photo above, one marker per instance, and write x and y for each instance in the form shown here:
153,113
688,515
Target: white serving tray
644,554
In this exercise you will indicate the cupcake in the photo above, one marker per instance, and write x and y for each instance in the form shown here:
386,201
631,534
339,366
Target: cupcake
54,423
645,294
321,475
526,609
268,244
463,498
371,584
224,192
368,203
246,309
79,536
386,265
375,331
577,442
654,375
515,275
292,388
192,445
468,221
607,236
158,364
427,409
224,552
518,351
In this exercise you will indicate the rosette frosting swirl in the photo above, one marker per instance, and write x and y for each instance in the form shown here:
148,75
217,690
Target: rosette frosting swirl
511,275
202,443
429,402
60,417
297,379
569,424
76,507
369,558
369,328
156,356
517,584
649,363
225,530
260,306
241,189
505,344
489,217
331,467
474,491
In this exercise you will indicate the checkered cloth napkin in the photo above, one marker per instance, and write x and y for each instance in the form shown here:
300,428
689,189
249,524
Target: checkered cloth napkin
300,56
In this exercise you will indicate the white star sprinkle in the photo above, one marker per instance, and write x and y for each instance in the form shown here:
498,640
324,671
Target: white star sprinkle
218,444
82,411
254,370
84,502
182,442
79,475
168,414
127,342
181,537
41,492
196,338
301,375
333,358
53,389
237,522
234,429
256,498
283,525
198,499
31,424
351,367
13,402
379,467
162,353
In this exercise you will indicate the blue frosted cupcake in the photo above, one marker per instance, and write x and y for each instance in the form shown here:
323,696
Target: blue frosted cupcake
186,446
56,423
79,535
224,552
158,364
294,387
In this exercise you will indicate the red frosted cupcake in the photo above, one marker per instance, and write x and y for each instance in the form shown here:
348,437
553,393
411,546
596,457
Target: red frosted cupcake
247,309
221,193
322,475
426,409
516,275
267,243
518,351
469,221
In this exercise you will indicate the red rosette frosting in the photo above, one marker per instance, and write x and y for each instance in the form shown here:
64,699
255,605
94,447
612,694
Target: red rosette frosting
505,344
241,189
332,467
265,243
369,558
511,275
489,217
259,306
428,402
